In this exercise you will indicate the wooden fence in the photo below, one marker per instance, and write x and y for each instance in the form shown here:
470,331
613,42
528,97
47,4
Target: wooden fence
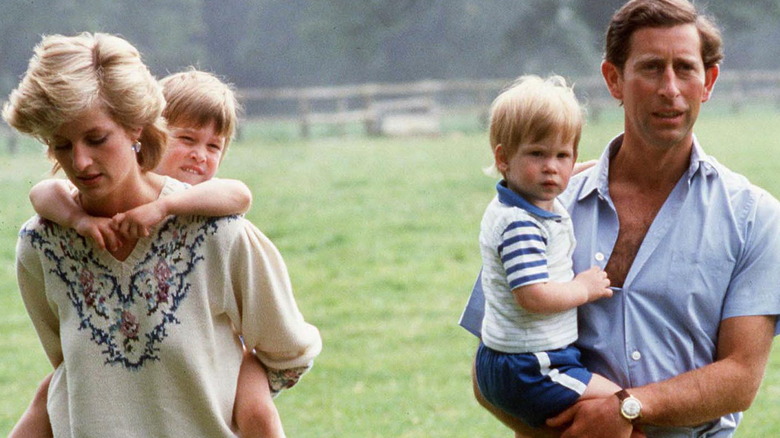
370,104
375,105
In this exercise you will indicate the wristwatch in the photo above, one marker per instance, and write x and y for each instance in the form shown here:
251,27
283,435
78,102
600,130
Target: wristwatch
630,406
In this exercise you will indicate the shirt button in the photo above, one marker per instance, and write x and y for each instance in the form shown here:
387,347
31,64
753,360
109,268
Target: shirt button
636,355
599,256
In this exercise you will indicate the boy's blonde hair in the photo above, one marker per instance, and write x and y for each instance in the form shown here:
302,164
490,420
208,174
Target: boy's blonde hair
533,109
69,75
196,98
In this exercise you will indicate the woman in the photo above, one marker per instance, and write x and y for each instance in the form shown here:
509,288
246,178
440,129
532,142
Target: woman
142,338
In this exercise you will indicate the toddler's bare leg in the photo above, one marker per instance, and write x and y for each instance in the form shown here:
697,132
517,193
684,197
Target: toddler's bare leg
255,413
520,429
35,421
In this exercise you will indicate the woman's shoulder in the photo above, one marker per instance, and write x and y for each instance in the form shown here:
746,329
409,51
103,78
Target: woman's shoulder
172,185
39,228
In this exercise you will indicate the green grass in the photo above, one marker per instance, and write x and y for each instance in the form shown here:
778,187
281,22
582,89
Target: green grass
380,239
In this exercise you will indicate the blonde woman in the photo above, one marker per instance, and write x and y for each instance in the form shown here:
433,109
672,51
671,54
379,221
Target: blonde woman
142,336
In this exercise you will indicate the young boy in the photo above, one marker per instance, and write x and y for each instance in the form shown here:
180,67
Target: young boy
526,364
201,112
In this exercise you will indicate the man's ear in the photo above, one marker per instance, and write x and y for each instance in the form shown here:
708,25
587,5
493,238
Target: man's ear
710,76
613,78
500,158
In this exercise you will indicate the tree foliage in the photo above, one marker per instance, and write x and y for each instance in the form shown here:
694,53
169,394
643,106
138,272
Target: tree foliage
269,43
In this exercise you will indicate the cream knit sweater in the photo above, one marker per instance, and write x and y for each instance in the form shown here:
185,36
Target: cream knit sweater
147,347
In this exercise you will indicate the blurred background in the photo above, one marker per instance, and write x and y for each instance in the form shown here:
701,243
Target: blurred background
343,63
294,43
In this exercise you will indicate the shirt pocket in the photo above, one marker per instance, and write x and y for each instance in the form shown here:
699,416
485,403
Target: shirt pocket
699,280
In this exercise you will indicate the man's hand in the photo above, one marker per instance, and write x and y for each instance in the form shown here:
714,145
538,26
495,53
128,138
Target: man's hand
594,418
585,165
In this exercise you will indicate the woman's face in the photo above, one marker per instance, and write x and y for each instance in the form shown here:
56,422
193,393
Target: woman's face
96,155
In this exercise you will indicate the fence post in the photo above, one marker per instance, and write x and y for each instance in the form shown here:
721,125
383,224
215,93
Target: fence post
341,108
372,121
303,114
737,95
13,143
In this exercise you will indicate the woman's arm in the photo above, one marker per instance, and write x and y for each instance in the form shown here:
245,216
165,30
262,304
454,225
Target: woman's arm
270,320
216,197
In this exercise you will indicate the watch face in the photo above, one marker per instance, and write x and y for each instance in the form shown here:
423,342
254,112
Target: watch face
631,407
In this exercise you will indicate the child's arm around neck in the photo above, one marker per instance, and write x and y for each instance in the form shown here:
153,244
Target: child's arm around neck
55,200
215,197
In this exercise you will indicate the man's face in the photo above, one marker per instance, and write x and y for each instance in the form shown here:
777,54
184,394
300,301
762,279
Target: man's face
662,85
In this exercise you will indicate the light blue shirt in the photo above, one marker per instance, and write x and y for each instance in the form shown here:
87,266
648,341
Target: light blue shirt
711,253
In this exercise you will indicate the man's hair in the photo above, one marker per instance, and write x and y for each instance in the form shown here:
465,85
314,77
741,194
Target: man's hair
196,98
69,75
638,14
533,109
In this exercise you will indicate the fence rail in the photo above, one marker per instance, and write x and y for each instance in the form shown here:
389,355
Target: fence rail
372,103
339,105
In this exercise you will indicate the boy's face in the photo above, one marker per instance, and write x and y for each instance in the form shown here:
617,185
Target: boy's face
193,154
539,171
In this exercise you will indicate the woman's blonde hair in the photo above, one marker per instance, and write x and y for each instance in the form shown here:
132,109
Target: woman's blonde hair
196,98
533,109
69,75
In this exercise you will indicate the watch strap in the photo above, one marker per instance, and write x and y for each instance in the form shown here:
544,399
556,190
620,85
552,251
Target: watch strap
624,395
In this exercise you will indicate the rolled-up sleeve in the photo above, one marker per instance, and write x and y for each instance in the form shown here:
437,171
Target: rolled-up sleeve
271,322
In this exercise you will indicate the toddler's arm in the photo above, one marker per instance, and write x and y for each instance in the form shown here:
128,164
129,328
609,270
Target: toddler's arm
53,199
552,297
216,197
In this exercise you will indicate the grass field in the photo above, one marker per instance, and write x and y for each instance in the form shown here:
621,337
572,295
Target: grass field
380,238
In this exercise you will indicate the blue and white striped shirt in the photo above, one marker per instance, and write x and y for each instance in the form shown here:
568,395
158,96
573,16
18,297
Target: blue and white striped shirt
521,245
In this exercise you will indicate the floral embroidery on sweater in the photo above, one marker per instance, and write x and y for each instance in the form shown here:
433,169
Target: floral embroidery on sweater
279,380
129,319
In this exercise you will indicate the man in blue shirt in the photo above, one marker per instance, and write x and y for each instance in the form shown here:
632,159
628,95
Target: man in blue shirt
692,248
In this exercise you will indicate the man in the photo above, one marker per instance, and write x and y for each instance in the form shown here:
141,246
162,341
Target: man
691,247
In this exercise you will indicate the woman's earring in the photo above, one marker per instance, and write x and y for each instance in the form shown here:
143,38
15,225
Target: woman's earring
136,147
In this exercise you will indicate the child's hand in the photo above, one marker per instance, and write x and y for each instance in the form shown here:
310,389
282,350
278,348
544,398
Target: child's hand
98,229
596,283
136,223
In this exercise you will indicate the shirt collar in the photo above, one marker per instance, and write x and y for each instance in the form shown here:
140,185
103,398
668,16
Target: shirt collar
508,197
598,179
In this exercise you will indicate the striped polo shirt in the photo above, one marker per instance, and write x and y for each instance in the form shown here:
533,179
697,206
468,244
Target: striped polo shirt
522,244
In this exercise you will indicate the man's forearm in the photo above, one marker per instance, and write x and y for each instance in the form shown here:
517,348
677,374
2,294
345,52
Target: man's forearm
727,385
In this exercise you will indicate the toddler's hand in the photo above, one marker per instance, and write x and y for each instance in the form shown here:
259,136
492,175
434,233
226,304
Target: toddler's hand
596,283
136,223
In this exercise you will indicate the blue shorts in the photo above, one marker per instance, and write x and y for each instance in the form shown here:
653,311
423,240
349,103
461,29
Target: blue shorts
531,386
